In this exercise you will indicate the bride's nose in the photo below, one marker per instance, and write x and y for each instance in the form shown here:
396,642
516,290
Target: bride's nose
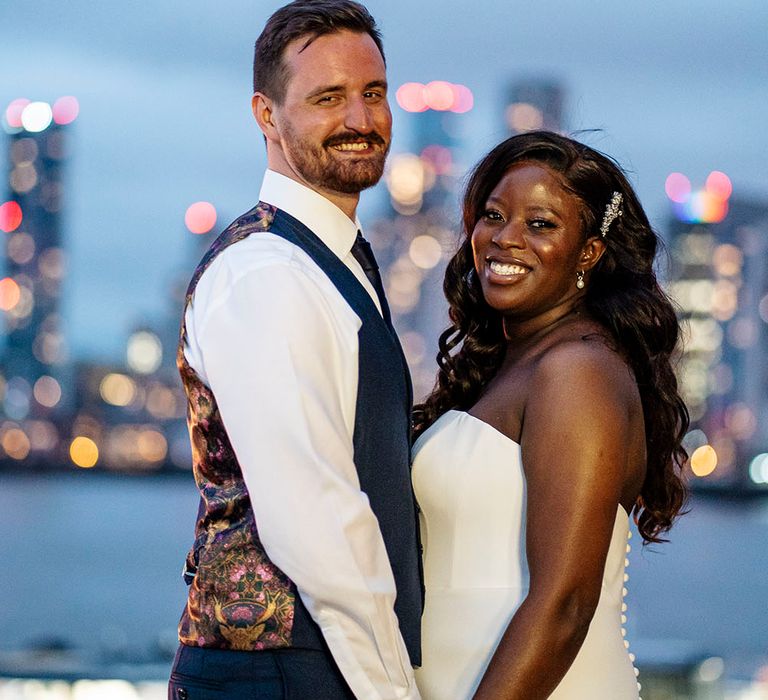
510,236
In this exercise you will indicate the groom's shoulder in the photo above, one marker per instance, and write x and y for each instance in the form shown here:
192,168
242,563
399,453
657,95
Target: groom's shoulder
249,246
259,218
252,233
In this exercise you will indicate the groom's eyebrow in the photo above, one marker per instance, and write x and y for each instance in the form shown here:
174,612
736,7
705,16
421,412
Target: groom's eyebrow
324,89
382,84
374,84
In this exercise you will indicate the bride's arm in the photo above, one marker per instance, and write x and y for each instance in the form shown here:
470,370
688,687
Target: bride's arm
575,436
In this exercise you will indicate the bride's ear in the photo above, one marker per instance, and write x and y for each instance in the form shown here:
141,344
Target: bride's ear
591,252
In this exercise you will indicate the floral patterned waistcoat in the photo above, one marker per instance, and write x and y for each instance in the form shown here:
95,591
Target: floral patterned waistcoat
238,599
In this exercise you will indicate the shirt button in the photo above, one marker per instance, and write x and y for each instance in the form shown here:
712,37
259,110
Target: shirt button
181,694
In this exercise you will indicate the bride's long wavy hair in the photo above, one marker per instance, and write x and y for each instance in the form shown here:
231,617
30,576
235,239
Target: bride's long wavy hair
623,295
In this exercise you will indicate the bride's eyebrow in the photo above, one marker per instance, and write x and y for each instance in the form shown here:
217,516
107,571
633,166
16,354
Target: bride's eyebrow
543,210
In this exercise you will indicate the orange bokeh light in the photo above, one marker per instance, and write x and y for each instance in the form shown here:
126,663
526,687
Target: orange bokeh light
84,452
703,460
9,294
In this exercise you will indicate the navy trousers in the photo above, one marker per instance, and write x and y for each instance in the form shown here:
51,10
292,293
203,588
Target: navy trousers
280,674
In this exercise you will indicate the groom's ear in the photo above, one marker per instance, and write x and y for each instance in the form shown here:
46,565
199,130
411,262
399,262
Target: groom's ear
263,111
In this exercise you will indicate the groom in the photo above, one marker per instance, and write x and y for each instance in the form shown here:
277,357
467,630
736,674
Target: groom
304,573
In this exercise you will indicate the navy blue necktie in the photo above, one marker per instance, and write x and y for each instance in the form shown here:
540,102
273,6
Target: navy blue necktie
363,253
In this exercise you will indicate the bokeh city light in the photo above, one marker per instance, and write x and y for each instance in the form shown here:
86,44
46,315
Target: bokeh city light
11,216
677,187
13,112
144,352
10,294
758,468
704,460
84,452
36,116
437,95
118,389
200,217
65,110
522,116
707,205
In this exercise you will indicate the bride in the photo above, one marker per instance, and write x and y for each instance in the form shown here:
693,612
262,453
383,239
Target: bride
555,417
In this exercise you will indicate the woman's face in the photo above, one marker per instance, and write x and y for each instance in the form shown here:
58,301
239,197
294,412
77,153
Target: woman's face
528,242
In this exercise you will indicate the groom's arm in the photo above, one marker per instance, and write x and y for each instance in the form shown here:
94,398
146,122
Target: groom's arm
281,360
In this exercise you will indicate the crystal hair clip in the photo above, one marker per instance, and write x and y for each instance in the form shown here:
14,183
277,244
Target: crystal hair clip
612,211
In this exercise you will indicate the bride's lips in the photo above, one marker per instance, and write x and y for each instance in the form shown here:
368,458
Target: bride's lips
501,270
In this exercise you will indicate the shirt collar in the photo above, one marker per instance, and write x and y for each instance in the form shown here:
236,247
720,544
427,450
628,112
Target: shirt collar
331,225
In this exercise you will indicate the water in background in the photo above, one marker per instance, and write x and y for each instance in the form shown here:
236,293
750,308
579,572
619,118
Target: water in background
92,563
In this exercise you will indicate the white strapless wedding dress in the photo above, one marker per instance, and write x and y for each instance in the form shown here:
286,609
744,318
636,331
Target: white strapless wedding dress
470,485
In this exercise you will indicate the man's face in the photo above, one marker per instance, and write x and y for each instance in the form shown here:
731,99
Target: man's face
334,124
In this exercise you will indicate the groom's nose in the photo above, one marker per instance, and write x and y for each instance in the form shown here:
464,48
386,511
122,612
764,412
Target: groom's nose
358,116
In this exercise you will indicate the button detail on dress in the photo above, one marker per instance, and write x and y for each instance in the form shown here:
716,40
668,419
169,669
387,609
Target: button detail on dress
624,610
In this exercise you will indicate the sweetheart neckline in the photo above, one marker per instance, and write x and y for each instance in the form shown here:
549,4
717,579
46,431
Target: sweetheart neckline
498,432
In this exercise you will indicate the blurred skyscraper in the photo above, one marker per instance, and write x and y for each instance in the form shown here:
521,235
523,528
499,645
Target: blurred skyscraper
720,280
534,104
420,226
34,352
34,257
59,411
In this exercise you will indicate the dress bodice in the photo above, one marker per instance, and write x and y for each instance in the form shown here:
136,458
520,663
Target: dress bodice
470,484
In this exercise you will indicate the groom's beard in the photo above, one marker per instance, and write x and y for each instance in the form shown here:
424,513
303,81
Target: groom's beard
326,168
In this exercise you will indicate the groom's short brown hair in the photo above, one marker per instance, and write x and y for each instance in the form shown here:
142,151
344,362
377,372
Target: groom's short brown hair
303,18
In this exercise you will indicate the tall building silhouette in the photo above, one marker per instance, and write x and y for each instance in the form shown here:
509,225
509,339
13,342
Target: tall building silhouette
720,281
534,104
34,354
419,228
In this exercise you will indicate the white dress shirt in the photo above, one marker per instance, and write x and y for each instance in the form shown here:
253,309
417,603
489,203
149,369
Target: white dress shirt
277,344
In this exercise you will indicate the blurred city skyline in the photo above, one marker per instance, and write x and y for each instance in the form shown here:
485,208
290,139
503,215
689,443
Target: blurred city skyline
675,92
164,115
